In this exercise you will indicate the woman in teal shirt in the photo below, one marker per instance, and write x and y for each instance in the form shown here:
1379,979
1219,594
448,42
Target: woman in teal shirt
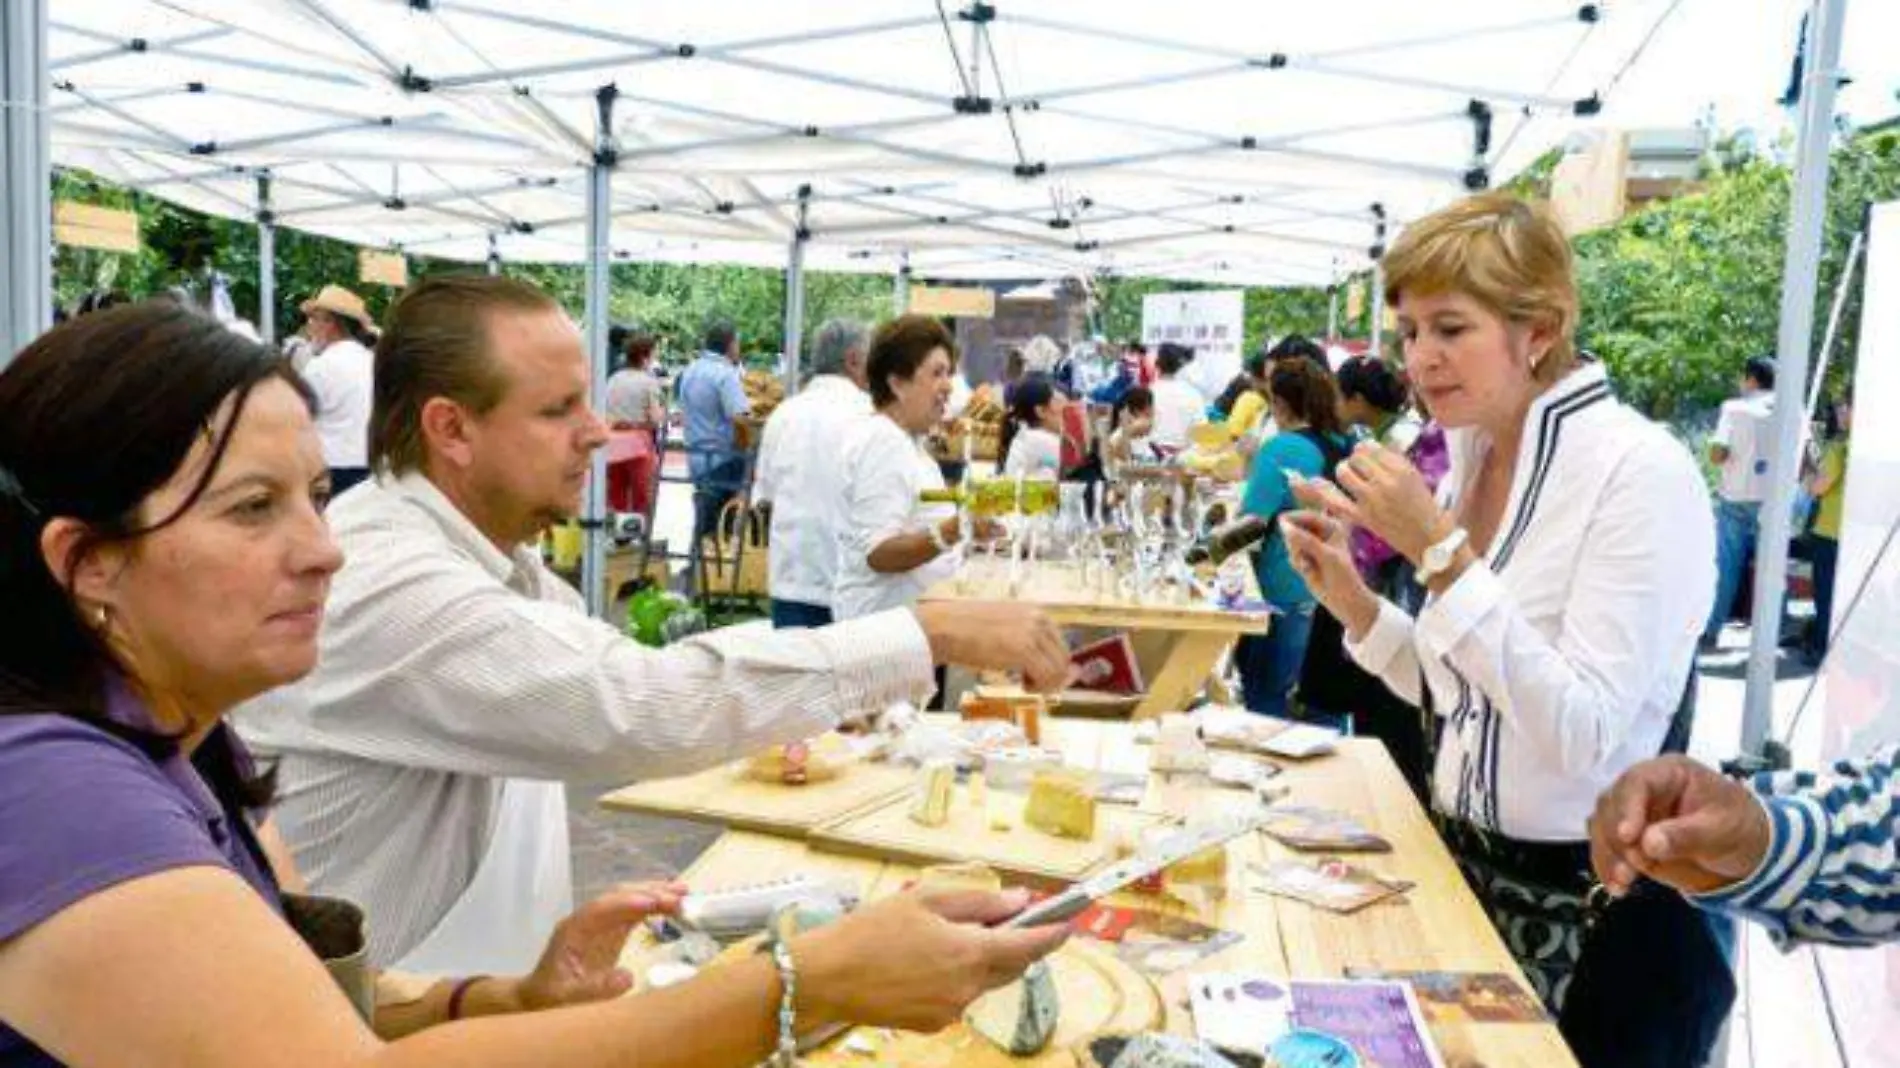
1312,440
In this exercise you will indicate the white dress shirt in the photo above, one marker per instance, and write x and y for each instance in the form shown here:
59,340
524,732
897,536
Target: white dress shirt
1744,428
446,666
1035,453
1558,661
342,377
802,473
1178,406
885,472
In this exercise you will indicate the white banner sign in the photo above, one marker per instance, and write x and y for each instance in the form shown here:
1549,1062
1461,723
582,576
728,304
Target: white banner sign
1211,322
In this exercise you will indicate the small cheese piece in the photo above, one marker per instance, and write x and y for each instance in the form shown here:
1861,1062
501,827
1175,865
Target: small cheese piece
970,875
1206,869
1021,1017
1178,746
935,781
1061,803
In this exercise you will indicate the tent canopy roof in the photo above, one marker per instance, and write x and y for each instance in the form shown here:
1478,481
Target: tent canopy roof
1245,143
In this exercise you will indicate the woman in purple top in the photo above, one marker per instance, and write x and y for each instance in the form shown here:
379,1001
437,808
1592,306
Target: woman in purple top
163,557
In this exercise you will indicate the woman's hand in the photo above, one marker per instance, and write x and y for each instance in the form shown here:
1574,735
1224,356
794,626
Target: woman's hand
1317,547
582,960
1386,495
915,961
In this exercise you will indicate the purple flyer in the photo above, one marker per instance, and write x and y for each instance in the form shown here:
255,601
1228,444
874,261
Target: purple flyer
1380,1020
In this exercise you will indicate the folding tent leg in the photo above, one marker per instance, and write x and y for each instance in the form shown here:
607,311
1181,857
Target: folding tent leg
26,304
266,264
1800,275
599,228
795,295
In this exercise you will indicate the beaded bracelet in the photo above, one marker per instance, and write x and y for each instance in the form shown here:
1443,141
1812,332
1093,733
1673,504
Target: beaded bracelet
786,1056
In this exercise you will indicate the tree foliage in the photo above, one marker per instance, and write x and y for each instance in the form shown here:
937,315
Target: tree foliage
1676,297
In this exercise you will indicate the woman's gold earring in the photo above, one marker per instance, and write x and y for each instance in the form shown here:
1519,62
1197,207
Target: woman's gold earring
103,617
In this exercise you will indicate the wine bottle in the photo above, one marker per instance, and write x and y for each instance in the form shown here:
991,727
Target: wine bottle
992,497
1230,538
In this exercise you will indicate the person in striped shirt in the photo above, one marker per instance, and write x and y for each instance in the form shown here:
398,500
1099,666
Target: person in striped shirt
1810,856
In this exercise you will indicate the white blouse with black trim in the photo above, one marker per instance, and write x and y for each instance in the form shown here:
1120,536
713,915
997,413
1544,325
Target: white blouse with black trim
1559,660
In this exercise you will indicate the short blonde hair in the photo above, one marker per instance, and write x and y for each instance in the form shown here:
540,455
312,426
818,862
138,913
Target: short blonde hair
1507,253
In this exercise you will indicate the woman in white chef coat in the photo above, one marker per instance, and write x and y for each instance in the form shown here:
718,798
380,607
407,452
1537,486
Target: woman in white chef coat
893,546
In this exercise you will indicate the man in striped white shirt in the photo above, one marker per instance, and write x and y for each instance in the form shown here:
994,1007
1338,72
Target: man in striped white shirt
1811,857
460,681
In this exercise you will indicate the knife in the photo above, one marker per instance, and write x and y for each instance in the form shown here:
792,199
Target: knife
1146,861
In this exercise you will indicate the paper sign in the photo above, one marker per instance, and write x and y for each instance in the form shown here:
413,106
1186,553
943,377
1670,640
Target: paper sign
88,226
382,268
956,301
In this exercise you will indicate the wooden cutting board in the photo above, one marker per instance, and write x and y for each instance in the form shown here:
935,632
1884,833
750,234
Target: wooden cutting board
885,831
726,795
1096,990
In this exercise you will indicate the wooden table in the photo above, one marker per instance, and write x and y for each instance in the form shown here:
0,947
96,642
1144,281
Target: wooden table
1178,644
1438,925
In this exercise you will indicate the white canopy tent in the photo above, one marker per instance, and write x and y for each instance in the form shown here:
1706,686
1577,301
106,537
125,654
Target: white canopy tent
1244,144
1257,144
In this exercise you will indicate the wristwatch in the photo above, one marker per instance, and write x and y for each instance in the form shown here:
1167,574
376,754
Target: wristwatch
937,539
1439,557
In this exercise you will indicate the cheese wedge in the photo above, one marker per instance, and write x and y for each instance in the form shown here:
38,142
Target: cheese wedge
936,780
1021,1017
1060,803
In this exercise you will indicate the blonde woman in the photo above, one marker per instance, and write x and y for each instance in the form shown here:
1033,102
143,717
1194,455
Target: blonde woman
1568,561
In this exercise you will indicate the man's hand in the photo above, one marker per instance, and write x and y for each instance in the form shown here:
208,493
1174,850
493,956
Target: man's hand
1679,823
998,636
582,960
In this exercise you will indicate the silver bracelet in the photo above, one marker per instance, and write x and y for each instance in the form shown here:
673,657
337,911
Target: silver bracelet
786,1055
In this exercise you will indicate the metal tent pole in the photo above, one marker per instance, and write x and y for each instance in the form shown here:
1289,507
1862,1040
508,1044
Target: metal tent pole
266,263
1377,252
1332,306
1799,277
900,284
599,227
494,254
1377,333
795,294
26,181
1825,354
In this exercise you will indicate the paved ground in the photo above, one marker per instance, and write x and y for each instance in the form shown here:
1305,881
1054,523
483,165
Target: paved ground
615,847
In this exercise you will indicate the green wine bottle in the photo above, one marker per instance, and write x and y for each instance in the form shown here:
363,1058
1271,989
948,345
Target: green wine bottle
989,498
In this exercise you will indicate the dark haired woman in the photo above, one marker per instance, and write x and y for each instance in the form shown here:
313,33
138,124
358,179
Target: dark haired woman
1179,405
1031,442
163,558
1311,440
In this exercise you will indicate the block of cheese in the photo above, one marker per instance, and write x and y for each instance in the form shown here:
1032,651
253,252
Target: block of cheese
1009,704
1019,1018
1206,870
936,780
1061,803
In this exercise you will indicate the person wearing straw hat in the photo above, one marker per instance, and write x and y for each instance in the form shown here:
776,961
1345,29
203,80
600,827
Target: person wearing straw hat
341,332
